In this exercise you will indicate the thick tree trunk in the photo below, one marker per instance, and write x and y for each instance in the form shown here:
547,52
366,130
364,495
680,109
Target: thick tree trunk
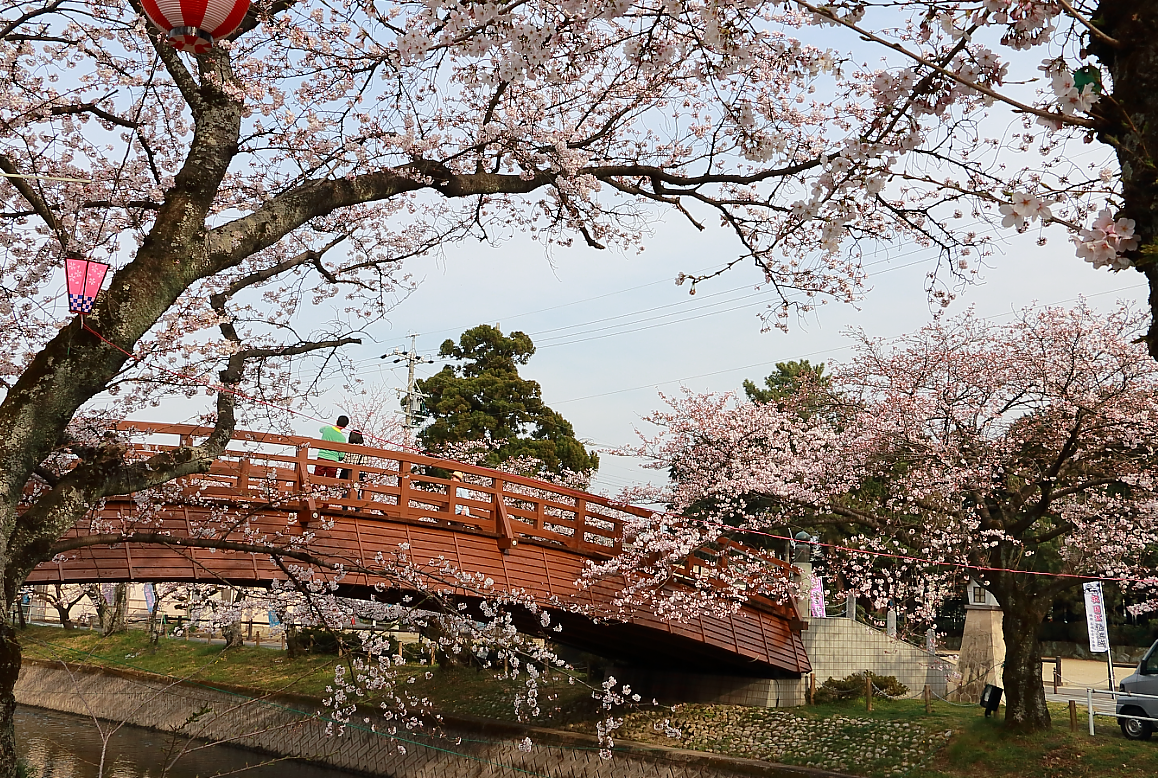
1025,708
1128,122
9,672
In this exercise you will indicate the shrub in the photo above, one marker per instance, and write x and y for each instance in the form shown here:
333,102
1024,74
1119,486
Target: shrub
852,686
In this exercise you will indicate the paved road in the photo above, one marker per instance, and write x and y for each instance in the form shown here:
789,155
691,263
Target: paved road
1078,675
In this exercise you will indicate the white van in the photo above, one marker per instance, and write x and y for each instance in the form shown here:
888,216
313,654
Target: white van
1144,681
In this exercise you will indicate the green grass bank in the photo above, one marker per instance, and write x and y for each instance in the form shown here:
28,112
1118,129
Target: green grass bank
898,738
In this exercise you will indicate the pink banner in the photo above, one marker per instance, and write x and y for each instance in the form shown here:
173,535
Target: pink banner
816,598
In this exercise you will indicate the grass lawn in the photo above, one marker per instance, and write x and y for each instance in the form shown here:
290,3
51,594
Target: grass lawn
899,738
460,690
896,738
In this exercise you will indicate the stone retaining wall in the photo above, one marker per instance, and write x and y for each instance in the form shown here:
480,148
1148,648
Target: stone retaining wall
840,647
284,726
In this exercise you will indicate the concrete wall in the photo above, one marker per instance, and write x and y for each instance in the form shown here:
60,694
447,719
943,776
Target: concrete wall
284,726
840,647
669,687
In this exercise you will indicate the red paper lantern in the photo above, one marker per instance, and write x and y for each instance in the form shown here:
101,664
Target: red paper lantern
193,25
85,277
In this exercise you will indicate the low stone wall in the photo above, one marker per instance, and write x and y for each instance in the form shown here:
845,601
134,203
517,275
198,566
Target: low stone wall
1131,654
284,726
671,687
840,647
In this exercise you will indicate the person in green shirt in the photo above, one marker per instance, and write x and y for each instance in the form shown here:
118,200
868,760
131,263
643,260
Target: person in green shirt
332,433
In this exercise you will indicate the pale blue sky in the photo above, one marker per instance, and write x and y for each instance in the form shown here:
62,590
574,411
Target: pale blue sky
611,330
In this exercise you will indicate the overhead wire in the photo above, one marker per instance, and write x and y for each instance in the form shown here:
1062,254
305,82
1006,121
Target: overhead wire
815,353
683,303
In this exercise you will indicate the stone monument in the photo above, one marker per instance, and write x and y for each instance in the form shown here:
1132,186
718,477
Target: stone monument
982,644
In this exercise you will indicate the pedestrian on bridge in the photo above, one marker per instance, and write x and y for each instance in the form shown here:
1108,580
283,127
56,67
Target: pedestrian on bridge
353,460
460,493
332,433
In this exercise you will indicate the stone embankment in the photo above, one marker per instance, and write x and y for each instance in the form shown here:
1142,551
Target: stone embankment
290,726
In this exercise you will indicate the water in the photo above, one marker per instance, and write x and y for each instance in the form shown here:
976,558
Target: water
60,745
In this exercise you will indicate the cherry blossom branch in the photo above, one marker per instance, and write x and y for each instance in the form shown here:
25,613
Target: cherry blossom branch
95,110
34,199
873,37
1094,30
35,12
311,256
173,65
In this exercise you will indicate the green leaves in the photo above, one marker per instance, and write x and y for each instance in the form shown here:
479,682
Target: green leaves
485,399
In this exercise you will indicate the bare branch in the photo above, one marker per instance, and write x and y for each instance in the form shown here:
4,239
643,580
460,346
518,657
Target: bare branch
1097,33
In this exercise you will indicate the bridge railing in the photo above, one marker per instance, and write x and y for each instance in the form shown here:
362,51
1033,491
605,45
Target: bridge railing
283,470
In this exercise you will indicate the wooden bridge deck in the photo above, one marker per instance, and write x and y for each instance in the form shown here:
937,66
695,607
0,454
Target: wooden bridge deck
519,533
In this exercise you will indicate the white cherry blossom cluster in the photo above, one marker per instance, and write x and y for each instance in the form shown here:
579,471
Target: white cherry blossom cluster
922,439
1023,209
1106,242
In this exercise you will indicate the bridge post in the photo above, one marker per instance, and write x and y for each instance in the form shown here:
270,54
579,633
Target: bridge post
303,468
502,521
580,523
243,474
403,488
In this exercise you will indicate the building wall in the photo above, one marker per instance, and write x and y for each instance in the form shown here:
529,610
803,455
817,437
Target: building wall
673,687
839,647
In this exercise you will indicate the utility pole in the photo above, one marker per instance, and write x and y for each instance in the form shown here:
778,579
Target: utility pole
411,358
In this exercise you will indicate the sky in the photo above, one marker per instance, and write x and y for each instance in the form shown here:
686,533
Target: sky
612,330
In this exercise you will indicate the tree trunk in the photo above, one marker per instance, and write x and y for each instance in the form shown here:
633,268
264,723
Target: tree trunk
1025,708
1129,124
63,612
9,672
112,615
232,633
292,648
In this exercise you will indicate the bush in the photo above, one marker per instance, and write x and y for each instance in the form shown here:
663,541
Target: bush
317,640
1141,635
852,687
416,653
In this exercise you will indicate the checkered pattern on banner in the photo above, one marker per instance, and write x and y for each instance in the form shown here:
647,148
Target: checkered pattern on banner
79,303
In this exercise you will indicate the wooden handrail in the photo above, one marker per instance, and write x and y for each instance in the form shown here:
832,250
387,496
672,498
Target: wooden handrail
513,506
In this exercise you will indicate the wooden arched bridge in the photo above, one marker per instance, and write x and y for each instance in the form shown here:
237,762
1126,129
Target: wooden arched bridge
523,534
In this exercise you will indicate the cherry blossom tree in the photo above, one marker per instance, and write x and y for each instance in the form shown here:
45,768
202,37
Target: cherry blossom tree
244,194
1022,454
62,597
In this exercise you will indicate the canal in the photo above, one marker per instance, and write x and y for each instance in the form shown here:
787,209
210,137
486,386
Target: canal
60,745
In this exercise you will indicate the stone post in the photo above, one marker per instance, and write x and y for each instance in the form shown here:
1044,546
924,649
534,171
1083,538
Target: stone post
982,644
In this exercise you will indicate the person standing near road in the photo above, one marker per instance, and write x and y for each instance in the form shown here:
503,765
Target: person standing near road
332,433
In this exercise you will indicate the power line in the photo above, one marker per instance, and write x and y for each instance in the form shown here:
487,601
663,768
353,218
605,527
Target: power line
816,353
686,302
